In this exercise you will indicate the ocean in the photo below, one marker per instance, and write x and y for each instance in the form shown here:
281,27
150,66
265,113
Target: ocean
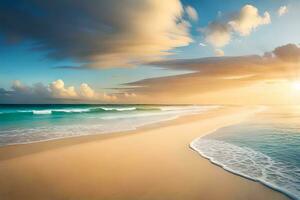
21,124
265,148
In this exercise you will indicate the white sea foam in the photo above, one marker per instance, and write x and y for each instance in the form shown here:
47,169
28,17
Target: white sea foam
118,109
76,110
42,112
29,135
22,111
72,110
97,123
167,111
50,111
251,164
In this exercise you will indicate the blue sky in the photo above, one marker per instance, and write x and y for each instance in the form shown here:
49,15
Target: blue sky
282,30
20,61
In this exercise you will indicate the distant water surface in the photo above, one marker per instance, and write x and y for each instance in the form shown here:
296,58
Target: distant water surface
32,123
266,149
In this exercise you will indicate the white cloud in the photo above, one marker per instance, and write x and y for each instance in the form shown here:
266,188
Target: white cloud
282,11
192,13
219,34
86,91
219,52
202,44
248,19
58,90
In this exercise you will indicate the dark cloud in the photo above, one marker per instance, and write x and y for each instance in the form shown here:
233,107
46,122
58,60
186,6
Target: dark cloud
4,92
97,33
289,52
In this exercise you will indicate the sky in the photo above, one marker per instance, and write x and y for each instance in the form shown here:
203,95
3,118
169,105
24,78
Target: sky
150,51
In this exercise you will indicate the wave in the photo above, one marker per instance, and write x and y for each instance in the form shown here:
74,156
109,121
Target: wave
130,121
73,110
118,109
87,110
130,108
251,164
42,112
51,111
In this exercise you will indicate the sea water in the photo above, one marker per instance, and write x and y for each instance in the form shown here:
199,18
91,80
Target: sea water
32,123
266,148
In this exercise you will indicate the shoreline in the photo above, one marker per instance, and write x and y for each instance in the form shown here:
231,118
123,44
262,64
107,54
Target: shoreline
266,184
149,161
212,161
87,138
148,126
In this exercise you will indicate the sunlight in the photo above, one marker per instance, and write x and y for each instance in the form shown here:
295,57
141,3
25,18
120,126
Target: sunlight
296,85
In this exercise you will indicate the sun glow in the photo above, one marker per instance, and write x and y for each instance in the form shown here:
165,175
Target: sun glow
296,85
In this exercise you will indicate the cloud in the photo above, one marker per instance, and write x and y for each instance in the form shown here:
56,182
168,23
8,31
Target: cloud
248,19
18,86
243,22
282,11
289,53
86,91
57,92
217,75
217,34
98,33
219,52
192,13
202,44
129,95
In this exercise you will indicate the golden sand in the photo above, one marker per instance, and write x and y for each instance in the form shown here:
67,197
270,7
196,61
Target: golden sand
152,163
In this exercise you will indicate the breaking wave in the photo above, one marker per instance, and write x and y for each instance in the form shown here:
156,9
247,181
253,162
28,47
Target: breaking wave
78,110
28,124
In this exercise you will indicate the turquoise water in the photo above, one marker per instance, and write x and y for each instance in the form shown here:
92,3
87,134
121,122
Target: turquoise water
265,148
32,123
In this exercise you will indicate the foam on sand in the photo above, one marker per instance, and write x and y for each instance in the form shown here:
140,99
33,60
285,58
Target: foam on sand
251,164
